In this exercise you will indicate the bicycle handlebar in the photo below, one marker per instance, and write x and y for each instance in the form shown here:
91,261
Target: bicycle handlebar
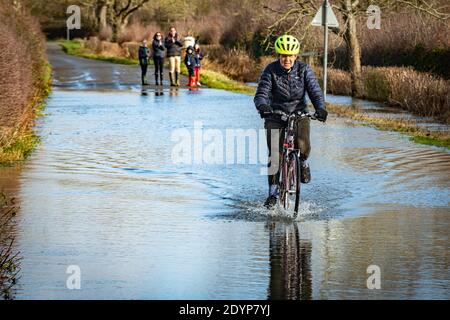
295,113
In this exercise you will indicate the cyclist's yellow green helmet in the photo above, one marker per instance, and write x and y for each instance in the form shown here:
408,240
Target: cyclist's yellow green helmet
287,44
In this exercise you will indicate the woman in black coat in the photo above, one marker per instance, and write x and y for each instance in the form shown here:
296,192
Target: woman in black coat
159,51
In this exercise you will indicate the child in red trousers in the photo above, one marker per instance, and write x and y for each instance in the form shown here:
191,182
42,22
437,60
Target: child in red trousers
198,57
190,62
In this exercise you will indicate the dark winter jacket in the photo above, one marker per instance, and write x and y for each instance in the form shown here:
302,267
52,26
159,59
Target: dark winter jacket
173,48
285,90
198,57
144,54
189,60
158,50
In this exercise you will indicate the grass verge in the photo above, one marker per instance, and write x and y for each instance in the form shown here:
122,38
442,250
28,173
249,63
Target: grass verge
408,127
216,80
20,144
75,48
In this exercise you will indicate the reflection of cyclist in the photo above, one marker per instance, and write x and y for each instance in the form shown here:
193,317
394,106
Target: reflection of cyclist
282,86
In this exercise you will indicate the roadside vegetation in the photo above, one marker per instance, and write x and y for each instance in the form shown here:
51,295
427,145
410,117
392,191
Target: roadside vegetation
408,127
24,81
9,258
77,48
420,93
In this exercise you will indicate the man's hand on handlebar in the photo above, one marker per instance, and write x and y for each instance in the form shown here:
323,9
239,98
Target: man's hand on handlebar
321,115
265,111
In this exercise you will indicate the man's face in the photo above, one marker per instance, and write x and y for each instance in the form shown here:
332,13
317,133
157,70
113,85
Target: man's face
173,31
144,43
287,61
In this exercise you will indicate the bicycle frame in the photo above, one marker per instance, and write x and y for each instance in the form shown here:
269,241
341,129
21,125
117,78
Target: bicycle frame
290,164
289,134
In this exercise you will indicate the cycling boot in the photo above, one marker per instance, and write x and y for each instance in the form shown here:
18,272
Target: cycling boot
305,174
271,201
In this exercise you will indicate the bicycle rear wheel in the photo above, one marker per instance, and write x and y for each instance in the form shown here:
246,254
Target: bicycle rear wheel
290,184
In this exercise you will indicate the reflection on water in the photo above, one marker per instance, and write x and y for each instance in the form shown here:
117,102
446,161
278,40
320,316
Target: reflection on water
102,192
290,263
329,259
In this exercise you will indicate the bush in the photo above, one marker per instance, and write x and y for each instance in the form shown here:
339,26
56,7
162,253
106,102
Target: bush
376,86
405,39
421,93
137,32
235,63
338,81
24,78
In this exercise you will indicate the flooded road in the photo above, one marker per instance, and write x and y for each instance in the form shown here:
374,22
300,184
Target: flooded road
103,192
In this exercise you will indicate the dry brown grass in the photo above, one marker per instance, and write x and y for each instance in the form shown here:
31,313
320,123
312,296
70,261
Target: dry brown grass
421,93
409,127
137,32
338,82
235,63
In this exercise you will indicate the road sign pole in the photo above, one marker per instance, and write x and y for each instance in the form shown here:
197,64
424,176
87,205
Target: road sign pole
325,53
325,17
68,34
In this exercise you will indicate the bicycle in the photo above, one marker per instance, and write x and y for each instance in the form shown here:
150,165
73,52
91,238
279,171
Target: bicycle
290,168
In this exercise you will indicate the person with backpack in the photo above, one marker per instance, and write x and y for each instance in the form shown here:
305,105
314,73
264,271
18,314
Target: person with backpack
159,51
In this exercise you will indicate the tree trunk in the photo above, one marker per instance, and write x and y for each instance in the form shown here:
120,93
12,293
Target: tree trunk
101,15
353,51
115,27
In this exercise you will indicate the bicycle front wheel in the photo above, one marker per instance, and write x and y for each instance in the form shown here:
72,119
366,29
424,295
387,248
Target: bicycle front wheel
290,184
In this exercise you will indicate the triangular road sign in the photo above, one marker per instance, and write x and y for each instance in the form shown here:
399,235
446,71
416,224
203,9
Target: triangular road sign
319,18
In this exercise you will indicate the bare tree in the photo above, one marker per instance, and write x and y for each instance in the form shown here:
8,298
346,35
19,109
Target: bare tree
119,11
350,10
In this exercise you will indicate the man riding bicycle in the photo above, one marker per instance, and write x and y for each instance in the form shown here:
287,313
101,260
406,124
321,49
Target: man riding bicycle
282,86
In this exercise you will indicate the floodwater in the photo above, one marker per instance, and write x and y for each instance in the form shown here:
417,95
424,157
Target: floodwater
105,191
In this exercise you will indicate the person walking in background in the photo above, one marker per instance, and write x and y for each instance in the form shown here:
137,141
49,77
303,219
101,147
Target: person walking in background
158,57
198,57
190,62
144,54
174,46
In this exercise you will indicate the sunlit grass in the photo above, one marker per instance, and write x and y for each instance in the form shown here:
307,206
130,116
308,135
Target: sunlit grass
216,80
75,48
408,127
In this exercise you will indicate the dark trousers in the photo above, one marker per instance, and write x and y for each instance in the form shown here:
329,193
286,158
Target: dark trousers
191,71
159,65
275,132
144,72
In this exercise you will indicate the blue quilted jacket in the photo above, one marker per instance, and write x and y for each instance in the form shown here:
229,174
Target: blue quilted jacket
285,90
